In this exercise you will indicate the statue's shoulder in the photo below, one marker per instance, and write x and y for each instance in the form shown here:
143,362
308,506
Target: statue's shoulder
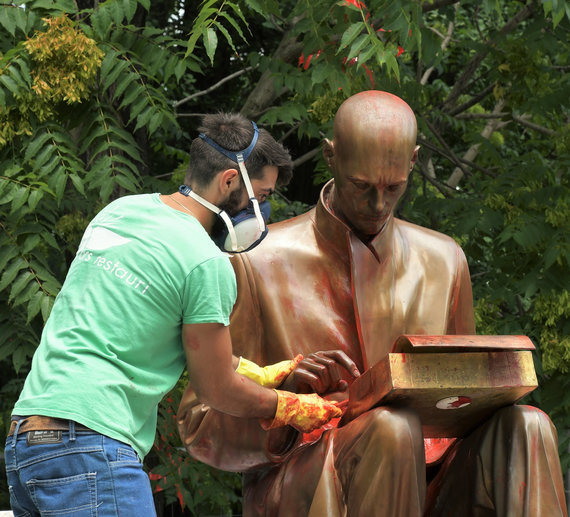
282,233
294,223
277,245
426,239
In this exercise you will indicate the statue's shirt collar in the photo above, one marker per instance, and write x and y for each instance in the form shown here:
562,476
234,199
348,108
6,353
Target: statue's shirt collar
339,235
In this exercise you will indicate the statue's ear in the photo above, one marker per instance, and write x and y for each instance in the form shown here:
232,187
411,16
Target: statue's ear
328,151
414,156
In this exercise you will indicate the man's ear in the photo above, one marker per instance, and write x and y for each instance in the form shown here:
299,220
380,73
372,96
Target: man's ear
228,180
328,151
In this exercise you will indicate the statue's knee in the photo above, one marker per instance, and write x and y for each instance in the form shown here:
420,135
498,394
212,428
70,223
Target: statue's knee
524,419
393,429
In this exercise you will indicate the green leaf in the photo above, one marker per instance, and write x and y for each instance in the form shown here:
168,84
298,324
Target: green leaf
136,109
7,348
350,34
20,284
60,184
558,15
11,272
106,190
9,192
7,253
7,21
101,22
30,243
19,358
118,68
34,306
199,26
108,63
237,9
372,50
180,69
234,24
130,8
320,72
42,158
210,43
46,305
226,34
126,183
155,122
392,65
144,117
9,83
115,7
357,46
77,183
134,91
19,199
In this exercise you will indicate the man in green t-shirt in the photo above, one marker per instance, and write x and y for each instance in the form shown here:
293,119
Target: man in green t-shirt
148,293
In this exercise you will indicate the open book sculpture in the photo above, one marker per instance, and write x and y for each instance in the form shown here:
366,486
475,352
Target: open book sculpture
454,382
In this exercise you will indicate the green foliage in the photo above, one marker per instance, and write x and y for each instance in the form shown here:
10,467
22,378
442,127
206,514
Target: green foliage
101,102
183,480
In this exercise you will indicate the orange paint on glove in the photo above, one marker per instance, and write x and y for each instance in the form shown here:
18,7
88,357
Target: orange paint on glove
269,376
304,412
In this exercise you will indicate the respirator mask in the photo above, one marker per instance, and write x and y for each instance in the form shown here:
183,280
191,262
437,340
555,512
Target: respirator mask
247,228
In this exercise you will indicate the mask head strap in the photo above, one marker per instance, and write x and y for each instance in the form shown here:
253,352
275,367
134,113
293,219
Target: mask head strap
234,156
239,157
187,191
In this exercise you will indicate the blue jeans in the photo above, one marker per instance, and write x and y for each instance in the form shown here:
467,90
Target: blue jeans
85,474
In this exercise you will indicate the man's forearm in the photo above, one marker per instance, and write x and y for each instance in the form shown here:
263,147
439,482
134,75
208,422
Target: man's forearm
241,397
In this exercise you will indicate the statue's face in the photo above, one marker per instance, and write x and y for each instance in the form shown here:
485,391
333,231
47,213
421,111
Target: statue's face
371,157
369,181
367,190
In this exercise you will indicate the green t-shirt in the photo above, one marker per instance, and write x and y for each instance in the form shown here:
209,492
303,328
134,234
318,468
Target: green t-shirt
112,347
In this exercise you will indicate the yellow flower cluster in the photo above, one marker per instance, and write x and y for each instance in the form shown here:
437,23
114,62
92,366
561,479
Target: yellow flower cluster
66,61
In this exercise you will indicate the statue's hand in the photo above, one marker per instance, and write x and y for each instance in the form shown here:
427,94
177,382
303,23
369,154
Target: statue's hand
321,372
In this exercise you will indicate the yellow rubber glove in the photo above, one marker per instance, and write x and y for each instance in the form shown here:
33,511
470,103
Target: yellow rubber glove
303,412
269,376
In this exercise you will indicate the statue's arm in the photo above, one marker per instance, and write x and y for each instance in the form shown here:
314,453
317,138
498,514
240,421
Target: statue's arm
222,441
461,319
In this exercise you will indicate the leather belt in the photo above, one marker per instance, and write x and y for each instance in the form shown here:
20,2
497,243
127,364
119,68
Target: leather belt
43,423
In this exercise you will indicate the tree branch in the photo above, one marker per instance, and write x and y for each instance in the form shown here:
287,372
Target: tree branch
476,60
531,125
472,152
306,157
444,44
264,92
474,100
441,152
214,86
471,116
446,190
436,4
450,153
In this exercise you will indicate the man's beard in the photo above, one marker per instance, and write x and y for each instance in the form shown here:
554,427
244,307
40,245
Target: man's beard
231,207
232,204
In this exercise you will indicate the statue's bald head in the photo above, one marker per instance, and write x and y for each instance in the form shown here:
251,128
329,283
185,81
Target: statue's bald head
370,157
373,120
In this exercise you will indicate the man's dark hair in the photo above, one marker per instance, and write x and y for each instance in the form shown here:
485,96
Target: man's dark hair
234,132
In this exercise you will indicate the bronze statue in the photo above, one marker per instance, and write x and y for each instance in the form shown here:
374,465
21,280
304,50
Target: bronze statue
339,284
